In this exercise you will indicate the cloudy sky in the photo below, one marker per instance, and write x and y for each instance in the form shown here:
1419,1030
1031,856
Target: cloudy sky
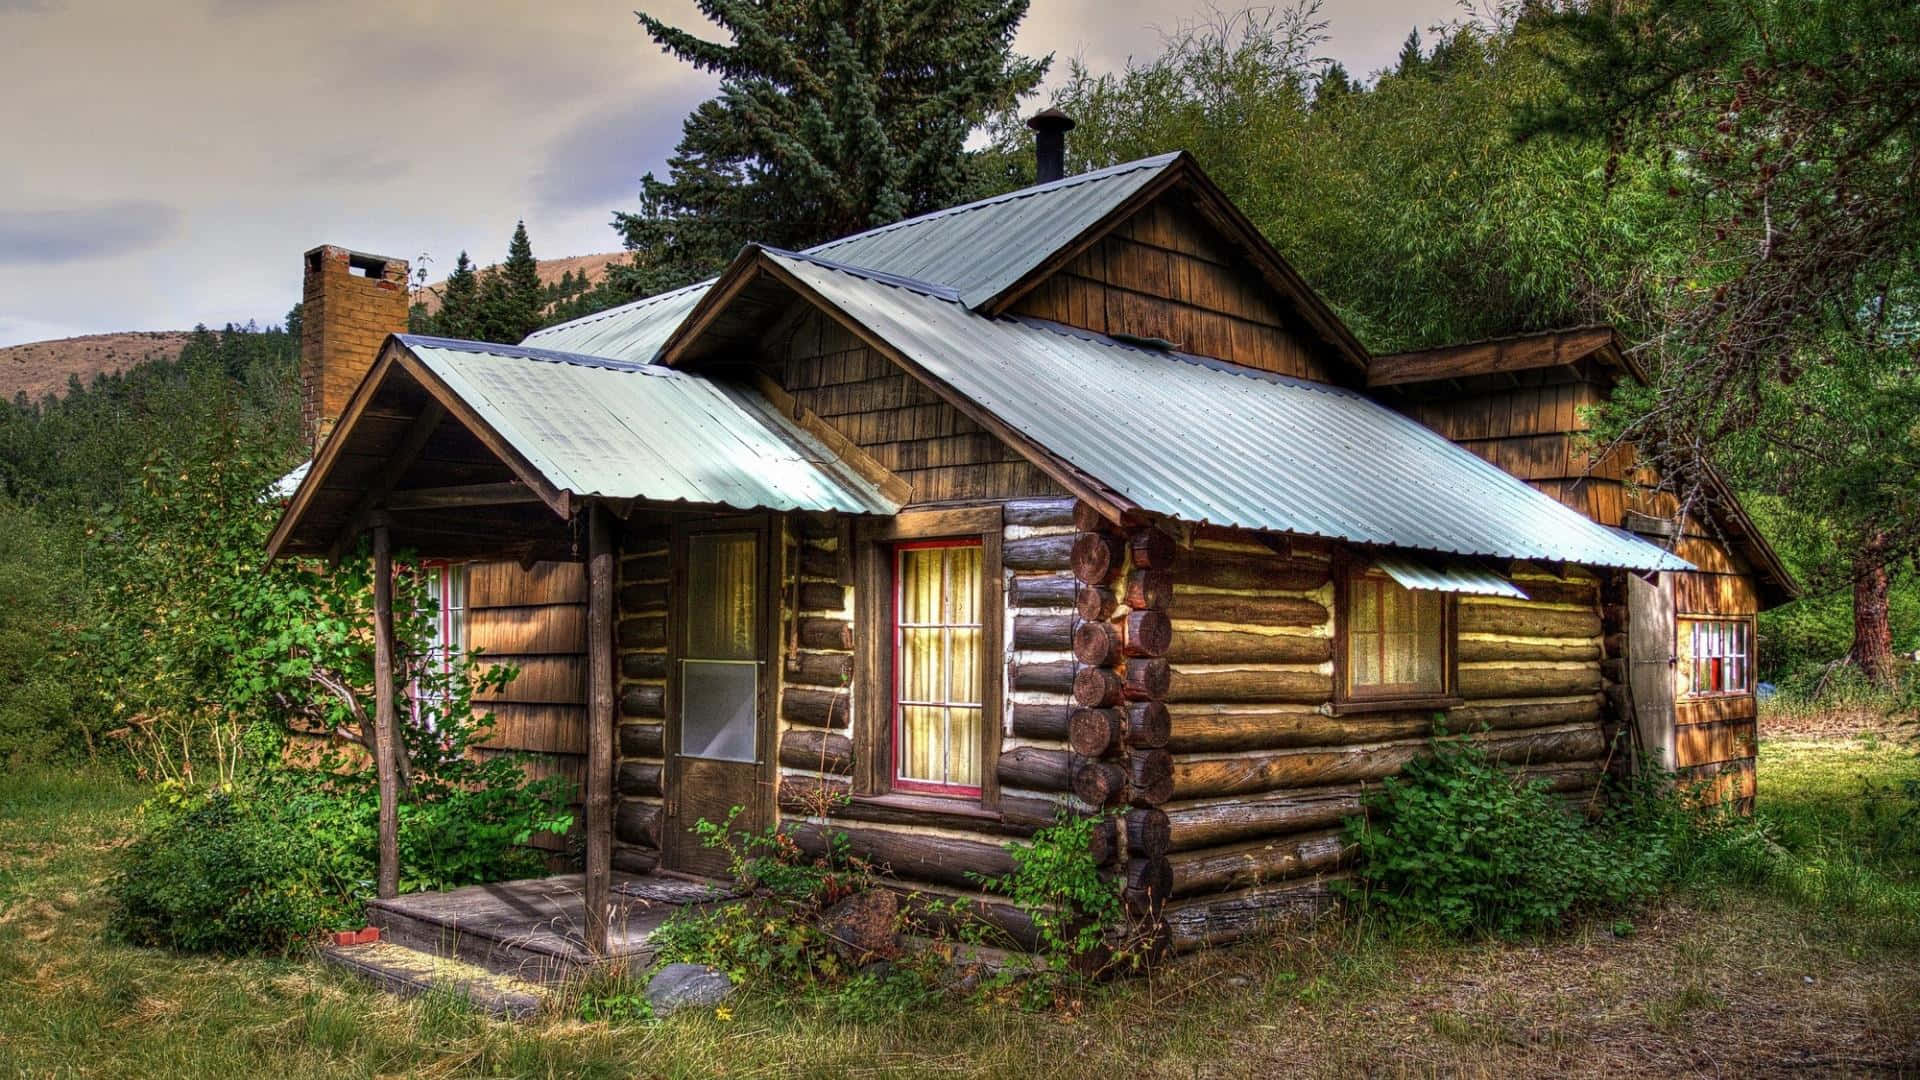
169,160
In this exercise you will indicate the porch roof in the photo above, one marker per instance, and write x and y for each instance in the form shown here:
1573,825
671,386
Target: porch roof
539,426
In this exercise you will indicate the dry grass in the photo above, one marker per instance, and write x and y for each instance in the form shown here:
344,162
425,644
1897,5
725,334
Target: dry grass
40,368
1733,980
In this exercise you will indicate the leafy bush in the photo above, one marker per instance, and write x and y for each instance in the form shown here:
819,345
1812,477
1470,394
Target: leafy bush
1457,844
773,936
231,872
1057,883
41,583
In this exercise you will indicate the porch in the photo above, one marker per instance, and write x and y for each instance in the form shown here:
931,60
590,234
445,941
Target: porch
504,945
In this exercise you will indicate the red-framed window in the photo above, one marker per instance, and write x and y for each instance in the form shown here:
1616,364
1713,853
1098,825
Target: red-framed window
939,666
1716,657
447,587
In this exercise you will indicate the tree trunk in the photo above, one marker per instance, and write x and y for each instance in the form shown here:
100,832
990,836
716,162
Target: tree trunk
1872,650
385,717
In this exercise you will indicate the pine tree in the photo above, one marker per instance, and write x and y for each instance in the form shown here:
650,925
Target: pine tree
1410,62
832,117
459,305
1334,83
525,295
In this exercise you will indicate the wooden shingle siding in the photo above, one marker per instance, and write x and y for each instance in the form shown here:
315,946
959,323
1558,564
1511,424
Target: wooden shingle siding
906,427
533,619
1163,274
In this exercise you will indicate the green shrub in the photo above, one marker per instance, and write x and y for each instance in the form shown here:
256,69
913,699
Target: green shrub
1456,844
231,872
1057,883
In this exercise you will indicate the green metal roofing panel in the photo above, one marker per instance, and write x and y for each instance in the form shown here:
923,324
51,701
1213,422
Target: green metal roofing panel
593,426
1205,441
1451,576
977,250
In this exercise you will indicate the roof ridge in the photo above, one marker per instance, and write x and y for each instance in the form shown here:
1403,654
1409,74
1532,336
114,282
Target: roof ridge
524,352
1107,173
621,309
931,289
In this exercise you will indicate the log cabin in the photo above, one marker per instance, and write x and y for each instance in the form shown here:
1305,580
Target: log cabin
1072,500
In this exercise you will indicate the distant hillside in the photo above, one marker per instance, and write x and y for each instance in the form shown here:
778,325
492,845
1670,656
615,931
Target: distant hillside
551,270
42,367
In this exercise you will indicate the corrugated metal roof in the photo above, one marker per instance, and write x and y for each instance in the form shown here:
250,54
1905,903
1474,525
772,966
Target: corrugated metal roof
976,250
597,427
1453,577
1203,441
632,332
980,249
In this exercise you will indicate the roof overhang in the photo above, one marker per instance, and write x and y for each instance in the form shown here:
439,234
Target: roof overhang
477,450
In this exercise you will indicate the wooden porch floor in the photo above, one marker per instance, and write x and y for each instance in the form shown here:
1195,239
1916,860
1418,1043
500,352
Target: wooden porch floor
535,928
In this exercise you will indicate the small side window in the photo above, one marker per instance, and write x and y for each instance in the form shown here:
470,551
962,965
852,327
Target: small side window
1716,656
1398,640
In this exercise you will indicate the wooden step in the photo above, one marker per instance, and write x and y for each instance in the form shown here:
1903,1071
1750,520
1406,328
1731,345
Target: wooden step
411,972
528,929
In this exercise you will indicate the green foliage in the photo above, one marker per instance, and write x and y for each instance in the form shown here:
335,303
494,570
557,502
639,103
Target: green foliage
1456,844
832,118
230,872
501,303
39,577
1409,205
1057,883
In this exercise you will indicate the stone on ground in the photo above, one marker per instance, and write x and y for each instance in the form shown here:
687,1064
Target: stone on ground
681,986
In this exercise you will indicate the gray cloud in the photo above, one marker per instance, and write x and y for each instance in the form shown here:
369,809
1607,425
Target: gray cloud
24,6
59,236
599,161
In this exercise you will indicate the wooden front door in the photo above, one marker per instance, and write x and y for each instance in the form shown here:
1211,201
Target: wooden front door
1650,664
720,708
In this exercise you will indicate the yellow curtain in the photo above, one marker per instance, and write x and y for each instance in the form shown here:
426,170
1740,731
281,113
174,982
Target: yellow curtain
721,608
1396,638
940,666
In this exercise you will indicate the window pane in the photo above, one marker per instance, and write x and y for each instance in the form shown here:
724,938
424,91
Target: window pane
922,731
963,761
721,607
963,584
922,674
939,669
921,583
1396,639
717,714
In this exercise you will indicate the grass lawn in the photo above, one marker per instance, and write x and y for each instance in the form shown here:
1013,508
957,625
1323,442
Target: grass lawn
1806,956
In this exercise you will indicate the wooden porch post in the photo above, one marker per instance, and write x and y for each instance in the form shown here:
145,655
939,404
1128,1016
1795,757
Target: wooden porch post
385,729
600,722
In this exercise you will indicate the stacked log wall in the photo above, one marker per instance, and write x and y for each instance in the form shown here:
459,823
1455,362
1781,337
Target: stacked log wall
1538,433
1266,768
641,641
934,848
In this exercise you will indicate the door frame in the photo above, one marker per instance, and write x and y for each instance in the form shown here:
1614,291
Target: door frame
760,814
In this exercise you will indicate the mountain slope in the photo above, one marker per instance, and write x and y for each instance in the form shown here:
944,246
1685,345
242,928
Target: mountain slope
42,367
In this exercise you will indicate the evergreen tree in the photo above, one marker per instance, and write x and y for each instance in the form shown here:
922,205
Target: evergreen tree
460,302
1409,62
1334,83
525,294
832,117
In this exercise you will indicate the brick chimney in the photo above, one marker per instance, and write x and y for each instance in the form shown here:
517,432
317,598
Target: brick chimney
349,304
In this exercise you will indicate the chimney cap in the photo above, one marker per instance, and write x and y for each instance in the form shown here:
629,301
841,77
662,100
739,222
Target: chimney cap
1051,119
